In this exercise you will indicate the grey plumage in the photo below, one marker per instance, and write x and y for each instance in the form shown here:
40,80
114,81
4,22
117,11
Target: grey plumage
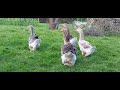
34,41
67,47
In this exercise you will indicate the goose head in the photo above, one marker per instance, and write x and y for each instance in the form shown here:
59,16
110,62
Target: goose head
30,28
66,33
79,30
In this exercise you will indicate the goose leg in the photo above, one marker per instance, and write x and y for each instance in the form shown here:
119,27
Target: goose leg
84,54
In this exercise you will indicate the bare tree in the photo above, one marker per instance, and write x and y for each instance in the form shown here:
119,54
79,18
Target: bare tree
50,23
53,23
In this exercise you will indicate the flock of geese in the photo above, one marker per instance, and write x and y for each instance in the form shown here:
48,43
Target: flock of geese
68,50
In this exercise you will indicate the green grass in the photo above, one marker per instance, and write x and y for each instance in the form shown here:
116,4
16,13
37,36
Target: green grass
15,55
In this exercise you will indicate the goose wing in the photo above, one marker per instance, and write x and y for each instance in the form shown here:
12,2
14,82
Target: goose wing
85,44
33,38
68,48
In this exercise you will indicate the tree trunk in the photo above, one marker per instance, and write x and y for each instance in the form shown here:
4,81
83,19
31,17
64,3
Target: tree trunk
53,23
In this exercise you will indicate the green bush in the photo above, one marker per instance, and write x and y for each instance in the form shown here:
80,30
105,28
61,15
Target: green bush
18,21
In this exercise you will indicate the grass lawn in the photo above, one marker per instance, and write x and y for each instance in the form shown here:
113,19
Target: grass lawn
15,55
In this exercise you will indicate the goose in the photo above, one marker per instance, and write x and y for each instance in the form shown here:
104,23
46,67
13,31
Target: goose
68,50
73,40
85,47
34,41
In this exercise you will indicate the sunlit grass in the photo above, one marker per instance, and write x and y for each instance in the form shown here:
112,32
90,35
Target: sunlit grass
15,55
